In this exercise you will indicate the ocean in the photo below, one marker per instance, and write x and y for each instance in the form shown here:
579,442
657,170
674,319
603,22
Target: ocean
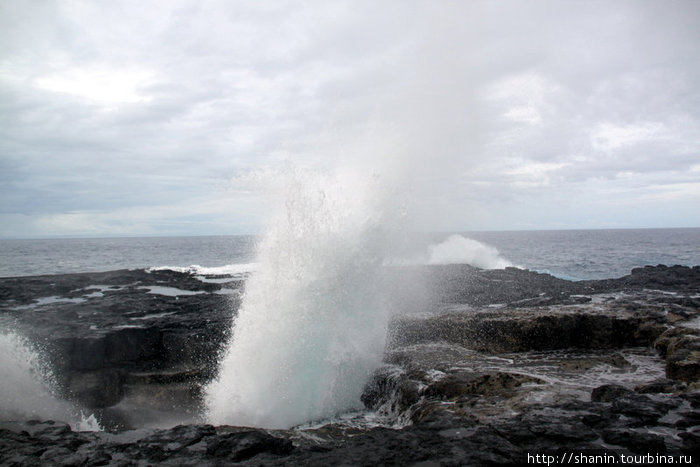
569,254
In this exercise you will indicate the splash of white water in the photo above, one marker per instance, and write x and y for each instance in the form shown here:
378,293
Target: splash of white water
312,326
25,383
457,249
27,387
87,423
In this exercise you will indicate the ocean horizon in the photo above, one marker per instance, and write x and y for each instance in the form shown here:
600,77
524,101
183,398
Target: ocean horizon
575,254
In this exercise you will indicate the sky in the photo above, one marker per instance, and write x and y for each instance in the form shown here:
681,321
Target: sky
174,117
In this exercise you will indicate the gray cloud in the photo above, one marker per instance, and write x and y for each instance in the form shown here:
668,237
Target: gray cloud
127,118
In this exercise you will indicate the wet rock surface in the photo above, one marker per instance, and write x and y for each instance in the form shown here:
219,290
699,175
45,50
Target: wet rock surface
117,335
496,366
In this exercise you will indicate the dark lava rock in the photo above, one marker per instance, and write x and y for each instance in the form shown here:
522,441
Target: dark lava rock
642,443
504,331
179,437
390,386
457,283
693,398
116,342
438,438
183,445
100,330
237,447
691,441
662,385
609,392
395,392
645,409
551,425
681,348
677,278
688,419
97,389
466,383
683,358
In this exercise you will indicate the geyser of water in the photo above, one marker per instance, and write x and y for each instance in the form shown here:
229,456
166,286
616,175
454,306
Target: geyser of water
25,383
312,326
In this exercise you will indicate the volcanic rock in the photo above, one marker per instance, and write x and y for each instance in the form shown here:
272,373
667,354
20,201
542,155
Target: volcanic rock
493,367
102,332
609,392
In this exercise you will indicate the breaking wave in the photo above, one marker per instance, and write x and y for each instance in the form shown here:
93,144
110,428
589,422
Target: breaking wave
457,249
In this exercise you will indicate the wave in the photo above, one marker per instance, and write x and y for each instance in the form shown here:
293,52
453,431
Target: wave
228,269
457,249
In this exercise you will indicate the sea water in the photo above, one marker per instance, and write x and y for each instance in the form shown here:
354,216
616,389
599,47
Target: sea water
571,254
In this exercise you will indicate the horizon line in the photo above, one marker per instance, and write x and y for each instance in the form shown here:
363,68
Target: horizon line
421,232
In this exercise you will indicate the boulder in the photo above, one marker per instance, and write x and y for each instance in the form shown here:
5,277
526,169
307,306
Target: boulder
681,348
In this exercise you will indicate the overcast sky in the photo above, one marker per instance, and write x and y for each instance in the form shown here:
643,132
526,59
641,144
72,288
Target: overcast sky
162,118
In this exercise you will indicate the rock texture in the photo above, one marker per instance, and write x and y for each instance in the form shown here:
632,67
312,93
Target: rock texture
120,334
493,367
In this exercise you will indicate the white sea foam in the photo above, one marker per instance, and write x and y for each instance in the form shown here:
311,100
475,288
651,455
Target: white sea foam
229,269
170,291
457,249
312,326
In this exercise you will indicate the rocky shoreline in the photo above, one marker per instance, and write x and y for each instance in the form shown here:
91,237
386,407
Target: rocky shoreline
491,366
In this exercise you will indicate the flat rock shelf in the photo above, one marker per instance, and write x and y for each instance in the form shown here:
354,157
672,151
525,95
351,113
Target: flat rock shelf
483,367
